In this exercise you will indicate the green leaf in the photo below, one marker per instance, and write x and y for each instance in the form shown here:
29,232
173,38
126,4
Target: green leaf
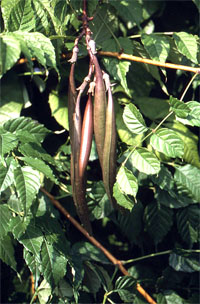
179,107
44,292
5,216
130,11
7,254
53,264
33,263
187,179
127,181
18,225
10,53
170,297
27,183
12,98
59,110
26,124
193,119
188,224
145,161
125,287
121,198
38,46
32,239
40,166
157,46
92,281
167,142
134,120
153,108
132,221
158,221
8,142
186,263
186,45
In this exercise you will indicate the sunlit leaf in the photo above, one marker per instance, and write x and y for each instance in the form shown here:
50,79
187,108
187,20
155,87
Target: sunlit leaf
187,45
127,181
134,120
145,161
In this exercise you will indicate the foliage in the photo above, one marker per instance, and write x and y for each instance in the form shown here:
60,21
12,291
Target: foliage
158,179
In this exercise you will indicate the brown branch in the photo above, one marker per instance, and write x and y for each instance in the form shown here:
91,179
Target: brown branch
149,61
115,261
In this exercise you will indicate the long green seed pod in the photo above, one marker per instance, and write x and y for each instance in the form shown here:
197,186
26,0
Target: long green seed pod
109,151
78,183
86,136
99,110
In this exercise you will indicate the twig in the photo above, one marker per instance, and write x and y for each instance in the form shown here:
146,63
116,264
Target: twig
149,61
115,261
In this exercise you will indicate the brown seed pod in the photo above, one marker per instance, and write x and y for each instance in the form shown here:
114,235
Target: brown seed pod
86,136
99,110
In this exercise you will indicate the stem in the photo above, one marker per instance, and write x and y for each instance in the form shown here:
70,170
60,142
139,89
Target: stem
115,261
187,87
149,61
152,255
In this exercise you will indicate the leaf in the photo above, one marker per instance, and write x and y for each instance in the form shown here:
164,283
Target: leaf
125,287
127,181
5,216
170,297
167,142
179,107
10,53
39,46
145,161
32,239
8,142
18,225
132,222
130,11
53,264
188,224
152,108
33,264
134,120
188,263
187,179
44,292
7,254
59,110
186,45
121,197
40,166
27,183
26,124
92,281
193,119
157,46
12,98
158,221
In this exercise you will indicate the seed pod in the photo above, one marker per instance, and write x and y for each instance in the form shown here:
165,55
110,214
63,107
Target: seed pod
72,96
78,182
86,136
99,110
109,152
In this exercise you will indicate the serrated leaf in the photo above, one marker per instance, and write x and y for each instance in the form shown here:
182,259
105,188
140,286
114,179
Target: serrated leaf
6,175
187,179
183,263
27,183
167,142
121,198
44,292
5,216
188,224
27,124
145,161
127,181
12,98
18,225
7,254
186,45
8,142
59,109
35,150
158,221
193,119
53,264
33,264
10,53
40,166
179,107
157,46
125,287
134,120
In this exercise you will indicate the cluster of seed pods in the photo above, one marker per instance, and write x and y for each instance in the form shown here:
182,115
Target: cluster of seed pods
98,118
